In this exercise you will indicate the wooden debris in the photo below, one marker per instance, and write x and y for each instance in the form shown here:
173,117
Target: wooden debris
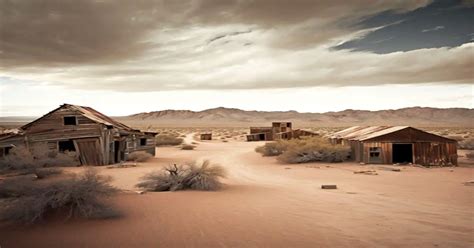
469,183
328,186
366,172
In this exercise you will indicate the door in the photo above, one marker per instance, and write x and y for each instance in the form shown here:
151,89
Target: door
402,153
89,151
116,151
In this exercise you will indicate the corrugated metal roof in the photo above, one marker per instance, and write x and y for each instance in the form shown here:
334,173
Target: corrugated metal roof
365,133
90,113
99,117
381,132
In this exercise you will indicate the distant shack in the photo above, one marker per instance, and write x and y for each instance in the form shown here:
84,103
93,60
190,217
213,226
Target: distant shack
96,138
206,136
397,144
278,130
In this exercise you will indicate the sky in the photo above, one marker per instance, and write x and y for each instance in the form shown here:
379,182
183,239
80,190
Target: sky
124,57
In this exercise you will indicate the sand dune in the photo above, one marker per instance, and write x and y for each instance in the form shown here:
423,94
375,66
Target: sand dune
267,204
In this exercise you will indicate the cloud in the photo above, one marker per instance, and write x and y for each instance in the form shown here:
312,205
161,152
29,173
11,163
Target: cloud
64,32
432,29
173,45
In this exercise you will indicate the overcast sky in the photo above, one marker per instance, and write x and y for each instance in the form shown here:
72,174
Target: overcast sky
124,57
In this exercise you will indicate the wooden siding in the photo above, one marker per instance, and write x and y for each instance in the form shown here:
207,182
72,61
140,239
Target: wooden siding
94,141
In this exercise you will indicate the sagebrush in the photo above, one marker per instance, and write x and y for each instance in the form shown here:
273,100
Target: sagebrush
139,156
80,196
168,140
38,156
204,176
304,150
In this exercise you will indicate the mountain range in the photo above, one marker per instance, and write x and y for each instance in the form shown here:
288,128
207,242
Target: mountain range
231,117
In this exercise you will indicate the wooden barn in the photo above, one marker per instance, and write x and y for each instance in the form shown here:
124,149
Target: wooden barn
397,144
95,138
278,130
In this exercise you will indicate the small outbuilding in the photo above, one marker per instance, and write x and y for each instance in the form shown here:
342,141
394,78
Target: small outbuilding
95,138
206,136
397,144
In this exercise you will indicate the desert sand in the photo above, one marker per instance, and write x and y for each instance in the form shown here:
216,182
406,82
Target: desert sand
268,204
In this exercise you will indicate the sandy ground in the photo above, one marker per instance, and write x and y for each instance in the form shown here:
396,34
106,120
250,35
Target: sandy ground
267,204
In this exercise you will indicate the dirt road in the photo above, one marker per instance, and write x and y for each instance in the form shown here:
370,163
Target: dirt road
267,204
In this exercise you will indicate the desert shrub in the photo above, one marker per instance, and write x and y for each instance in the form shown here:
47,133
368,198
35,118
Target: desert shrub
470,155
79,196
16,186
187,147
168,140
456,137
304,150
272,148
139,156
191,176
204,176
36,157
467,144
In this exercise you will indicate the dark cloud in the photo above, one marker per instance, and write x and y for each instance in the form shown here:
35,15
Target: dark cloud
446,23
213,44
58,32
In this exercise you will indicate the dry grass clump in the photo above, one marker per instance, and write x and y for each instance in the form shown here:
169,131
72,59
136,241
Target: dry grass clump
187,147
37,157
470,155
80,196
272,148
36,161
168,140
467,144
305,150
139,156
204,176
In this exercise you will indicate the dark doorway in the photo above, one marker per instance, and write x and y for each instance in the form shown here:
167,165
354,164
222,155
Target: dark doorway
117,151
66,145
402,153
261,136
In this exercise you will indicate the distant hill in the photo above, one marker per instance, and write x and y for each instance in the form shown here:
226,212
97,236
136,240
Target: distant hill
220,117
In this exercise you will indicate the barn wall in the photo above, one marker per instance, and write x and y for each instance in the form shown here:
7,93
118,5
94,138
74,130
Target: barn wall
433,153
385,153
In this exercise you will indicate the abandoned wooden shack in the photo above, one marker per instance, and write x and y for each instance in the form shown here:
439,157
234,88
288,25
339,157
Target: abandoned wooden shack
397,144
206,136
95,138
278,130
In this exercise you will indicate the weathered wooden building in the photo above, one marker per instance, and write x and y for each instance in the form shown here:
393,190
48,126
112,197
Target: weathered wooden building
278,130
397,144
206,136
96,138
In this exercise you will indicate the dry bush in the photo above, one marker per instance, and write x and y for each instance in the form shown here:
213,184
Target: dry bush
470,155
191,176
456,137
305,150
168,140
272,148
187,147
139,156
16,186
37,157
79,196
467,144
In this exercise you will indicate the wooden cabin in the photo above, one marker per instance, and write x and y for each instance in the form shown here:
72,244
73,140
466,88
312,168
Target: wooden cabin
206,136
278,130
397,144
95,138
